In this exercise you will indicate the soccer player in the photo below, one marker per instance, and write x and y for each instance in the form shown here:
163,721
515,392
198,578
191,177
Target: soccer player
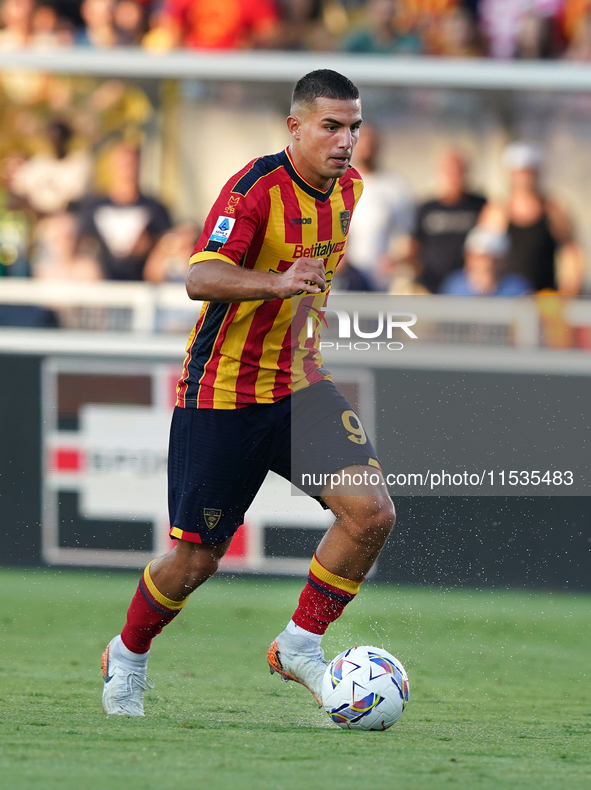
253,395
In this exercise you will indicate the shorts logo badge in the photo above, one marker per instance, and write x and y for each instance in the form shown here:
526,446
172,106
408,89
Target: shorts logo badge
345,220
211,515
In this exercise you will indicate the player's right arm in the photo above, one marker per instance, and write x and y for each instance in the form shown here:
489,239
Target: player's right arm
222,266
219,281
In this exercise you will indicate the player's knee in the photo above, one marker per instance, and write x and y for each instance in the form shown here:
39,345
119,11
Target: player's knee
384,518
375,520
197,563
202,566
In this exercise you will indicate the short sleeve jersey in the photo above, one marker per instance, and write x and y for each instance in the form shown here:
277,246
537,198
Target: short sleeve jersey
265,218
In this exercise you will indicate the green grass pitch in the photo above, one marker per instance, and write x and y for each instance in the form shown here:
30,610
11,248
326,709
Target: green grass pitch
499,686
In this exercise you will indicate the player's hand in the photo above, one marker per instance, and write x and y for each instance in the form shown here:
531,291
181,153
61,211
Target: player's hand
305,274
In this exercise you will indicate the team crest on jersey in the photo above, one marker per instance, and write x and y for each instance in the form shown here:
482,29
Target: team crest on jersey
222,230
211,515
345,220
232,204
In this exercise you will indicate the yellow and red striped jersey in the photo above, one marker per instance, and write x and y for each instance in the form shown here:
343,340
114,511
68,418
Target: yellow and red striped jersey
265,218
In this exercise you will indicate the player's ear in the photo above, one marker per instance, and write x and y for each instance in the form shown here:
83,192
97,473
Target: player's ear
293,126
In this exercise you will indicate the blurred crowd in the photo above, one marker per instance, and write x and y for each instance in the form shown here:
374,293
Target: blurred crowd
68,215
521,29
459,242
53,225
72,205
71,202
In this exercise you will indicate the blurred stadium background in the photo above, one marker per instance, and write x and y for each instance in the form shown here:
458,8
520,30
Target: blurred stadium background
121,120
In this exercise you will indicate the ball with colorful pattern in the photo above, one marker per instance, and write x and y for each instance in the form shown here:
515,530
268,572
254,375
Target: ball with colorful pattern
365,688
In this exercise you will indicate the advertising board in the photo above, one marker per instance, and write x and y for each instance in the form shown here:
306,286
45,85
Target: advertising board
104,451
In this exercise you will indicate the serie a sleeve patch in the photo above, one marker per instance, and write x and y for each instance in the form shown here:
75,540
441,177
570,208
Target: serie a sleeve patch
223,228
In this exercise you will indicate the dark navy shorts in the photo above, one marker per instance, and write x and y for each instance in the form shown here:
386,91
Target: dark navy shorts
218,458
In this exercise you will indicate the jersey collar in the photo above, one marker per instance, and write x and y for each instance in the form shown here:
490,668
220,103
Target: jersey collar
317,194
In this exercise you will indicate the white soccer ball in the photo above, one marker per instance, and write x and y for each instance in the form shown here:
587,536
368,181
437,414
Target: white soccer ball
365,688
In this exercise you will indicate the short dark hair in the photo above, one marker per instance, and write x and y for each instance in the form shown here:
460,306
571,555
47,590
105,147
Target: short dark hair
323,83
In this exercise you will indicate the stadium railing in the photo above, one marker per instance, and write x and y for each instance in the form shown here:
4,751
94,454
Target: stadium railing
143,308
104,306
288,67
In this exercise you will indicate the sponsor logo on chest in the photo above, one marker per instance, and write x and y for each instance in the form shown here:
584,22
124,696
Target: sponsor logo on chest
322,249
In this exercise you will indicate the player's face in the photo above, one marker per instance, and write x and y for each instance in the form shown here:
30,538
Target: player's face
324,137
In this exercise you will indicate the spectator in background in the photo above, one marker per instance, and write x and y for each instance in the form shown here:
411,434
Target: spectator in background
386,32
49,29
51,181
16,222
99,24
130,22
383,217
44,26
348,278
302,23
121,229
168,261
442,224
161,33
543,249
575,26
53,256
219,24
536,37
580,45
501,22
446,27
484,273
458,35
16,17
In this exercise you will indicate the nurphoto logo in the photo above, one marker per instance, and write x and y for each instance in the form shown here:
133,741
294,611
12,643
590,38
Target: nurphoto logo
382,325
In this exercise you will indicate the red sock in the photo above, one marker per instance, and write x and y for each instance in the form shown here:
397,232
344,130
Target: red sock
323,599
147,615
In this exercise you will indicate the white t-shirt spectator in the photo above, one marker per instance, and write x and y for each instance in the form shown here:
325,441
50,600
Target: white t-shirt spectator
500,21
385,211
49,184
124,234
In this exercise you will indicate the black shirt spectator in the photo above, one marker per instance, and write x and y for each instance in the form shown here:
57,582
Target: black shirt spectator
349,278
441,230
543,246
124,225
442,224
